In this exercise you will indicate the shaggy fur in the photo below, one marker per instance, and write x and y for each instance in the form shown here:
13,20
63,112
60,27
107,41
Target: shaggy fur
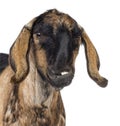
40,63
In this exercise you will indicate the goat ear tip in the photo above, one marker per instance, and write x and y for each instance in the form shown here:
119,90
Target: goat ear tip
16,79
13,79
103,83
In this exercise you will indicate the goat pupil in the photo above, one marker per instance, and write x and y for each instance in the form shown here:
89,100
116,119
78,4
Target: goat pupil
38,34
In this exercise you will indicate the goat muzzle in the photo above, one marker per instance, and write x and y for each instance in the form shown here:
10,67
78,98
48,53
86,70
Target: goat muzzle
60,79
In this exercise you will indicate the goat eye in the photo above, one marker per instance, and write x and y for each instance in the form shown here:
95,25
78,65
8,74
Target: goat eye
38,34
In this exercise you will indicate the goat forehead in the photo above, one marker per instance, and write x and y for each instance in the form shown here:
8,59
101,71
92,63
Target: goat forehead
56,18
55,21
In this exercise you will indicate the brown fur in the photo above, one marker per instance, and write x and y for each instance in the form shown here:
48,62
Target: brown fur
93,63
27,100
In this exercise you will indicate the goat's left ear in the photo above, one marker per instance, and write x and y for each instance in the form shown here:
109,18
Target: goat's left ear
93,62
18,53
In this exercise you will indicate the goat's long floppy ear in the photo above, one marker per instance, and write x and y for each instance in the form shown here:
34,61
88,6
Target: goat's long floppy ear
93,62
18,53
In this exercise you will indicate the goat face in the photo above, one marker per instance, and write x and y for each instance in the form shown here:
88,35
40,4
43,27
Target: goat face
56,38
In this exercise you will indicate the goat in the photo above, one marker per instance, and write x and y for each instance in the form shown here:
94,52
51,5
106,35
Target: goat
40,63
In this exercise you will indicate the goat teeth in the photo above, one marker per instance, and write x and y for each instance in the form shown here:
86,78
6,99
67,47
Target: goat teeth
64,73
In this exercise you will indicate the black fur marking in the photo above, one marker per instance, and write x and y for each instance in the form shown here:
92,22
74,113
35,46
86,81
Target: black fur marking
3,61
59,44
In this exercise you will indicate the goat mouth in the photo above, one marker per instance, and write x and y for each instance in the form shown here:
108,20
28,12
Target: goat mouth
61,79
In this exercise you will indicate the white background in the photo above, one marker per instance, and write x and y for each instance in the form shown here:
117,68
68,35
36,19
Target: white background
86,104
